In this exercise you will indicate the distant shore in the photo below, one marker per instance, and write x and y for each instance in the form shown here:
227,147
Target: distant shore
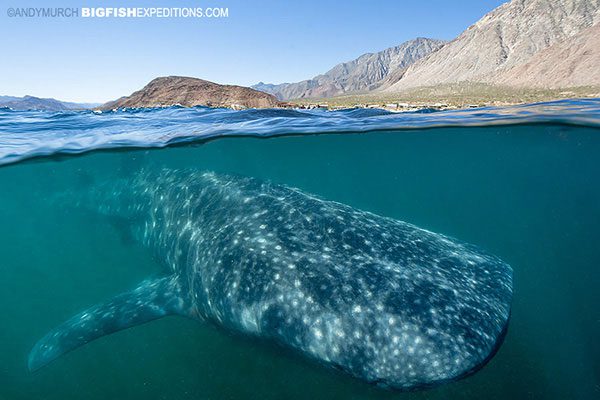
449,97
440,97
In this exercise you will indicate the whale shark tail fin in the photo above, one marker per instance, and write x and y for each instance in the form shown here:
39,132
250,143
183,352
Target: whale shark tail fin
151,300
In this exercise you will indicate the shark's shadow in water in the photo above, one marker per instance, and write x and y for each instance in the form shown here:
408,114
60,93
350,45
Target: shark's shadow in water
381,299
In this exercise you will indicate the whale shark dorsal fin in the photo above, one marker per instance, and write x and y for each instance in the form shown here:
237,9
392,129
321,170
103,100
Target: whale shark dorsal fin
151,300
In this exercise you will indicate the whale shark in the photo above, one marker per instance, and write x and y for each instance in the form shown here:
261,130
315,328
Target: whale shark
384,301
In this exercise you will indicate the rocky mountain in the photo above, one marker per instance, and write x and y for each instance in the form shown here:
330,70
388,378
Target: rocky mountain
37,103
270,88
362,74
507,37
188,92
570,63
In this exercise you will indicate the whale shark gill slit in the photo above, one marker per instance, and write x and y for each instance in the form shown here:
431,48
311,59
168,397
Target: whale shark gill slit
151,300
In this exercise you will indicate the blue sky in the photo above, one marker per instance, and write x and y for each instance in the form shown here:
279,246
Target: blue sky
95,60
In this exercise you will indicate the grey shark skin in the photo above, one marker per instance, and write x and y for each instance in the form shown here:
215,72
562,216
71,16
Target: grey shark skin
385,301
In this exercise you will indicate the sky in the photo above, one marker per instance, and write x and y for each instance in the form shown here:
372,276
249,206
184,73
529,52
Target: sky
100,59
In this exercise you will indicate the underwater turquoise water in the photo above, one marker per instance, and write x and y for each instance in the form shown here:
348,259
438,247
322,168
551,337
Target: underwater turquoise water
528,192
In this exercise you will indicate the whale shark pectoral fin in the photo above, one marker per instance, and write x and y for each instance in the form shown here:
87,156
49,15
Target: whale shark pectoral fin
151,300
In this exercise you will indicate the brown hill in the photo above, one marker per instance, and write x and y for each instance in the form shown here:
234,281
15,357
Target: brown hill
189,92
